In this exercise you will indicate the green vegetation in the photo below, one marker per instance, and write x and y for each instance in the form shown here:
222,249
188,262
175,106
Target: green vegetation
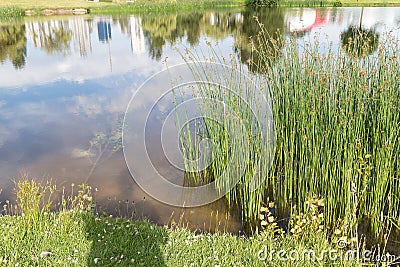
16,8
42,4
165,6
121,7
335,174
268,3
337,126
240,144
11,12
74,236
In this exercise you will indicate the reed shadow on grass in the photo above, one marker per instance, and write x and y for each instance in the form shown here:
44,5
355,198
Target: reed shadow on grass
121,242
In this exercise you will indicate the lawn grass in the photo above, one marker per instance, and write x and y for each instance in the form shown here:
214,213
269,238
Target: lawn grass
120,6
27,4
82,239
75,236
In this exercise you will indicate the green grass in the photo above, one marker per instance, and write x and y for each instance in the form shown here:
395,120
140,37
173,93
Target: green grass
26,4
119,6
11,12
165,6
74,236
14,8
82,239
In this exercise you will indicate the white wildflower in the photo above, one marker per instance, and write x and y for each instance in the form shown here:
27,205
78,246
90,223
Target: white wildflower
46,254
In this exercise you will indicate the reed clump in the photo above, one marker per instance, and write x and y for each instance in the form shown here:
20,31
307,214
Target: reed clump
234,119
337,124
34,200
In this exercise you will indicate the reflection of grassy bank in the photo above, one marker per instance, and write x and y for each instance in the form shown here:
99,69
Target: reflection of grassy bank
73,236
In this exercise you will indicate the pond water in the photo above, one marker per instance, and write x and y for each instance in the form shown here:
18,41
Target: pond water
65,83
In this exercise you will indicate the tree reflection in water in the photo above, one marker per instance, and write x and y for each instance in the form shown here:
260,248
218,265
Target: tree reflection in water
359,42
260,38
13,45
253,48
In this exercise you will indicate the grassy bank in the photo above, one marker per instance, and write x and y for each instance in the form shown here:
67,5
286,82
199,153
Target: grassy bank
17,7
117,7
26,4
74,236
164,6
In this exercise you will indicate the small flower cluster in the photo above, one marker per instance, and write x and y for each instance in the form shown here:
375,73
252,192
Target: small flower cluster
267,218
84,200
311,221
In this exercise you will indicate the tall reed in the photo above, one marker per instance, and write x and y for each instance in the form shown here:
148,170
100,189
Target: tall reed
234,118
337,121
338,128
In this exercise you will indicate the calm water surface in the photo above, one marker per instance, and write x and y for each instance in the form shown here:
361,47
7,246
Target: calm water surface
65,83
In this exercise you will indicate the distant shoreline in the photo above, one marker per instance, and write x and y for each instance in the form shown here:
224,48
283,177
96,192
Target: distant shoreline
19,8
